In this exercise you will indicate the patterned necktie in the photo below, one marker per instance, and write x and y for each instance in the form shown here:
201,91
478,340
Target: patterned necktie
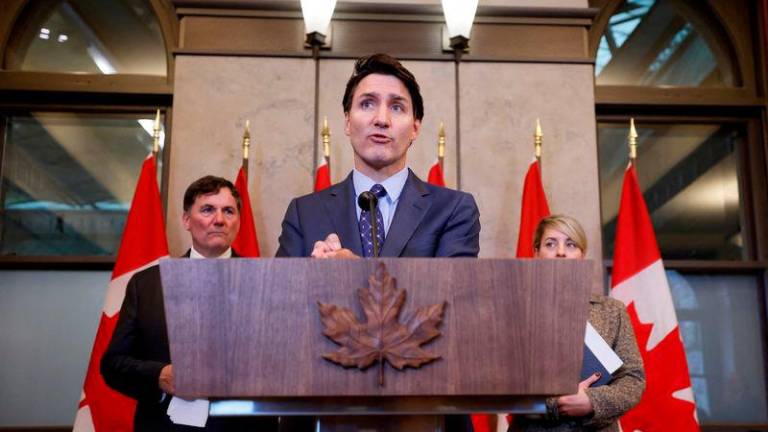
365,224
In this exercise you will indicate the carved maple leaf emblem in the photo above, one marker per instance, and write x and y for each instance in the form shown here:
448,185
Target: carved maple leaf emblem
382,336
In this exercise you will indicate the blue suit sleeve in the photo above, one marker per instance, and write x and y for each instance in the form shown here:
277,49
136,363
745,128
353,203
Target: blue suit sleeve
292,237
461,236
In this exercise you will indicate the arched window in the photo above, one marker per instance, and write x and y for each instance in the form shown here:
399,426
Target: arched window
664,43
82,80
114,37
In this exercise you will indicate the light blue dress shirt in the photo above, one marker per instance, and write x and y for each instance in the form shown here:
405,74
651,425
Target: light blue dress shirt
387,205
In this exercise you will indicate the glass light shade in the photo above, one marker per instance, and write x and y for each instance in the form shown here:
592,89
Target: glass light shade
317,15
459,15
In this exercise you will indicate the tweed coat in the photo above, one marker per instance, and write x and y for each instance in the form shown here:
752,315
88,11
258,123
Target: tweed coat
609,317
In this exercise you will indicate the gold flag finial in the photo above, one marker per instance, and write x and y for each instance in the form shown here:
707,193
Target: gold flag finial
632,139
441,142
246,139
326,139
537,139
156,133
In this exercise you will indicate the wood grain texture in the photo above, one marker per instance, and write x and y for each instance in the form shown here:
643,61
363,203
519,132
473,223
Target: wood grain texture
251,328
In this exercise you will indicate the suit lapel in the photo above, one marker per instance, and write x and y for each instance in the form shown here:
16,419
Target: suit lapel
343,214
414,204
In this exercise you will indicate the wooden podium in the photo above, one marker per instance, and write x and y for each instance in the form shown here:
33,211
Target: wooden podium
247,333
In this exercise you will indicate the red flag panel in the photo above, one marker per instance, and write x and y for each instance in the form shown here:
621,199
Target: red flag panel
143,243
639,281
322,177
435,176
246,243
533,209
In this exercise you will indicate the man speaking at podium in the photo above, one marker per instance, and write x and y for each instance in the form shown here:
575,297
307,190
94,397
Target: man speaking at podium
383,109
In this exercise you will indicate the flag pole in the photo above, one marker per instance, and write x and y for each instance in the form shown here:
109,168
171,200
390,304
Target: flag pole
632,140
156,134
537,140
441,145
327,143
246,145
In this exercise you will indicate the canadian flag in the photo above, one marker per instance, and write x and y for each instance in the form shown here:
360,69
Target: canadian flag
246,243
533,209
322,175
142,245
435,176
639,281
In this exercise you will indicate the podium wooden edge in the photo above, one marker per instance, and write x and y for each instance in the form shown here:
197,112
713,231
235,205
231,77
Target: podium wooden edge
397,405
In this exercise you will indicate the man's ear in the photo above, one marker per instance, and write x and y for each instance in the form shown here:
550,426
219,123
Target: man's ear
185,220
346,123
416,130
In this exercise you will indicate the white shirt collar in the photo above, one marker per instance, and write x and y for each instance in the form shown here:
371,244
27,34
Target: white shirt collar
197,255
393,184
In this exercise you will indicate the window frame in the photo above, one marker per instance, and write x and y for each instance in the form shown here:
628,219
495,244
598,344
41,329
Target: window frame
740,22
26,91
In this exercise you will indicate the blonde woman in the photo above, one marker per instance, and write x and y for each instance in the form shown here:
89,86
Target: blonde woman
590,408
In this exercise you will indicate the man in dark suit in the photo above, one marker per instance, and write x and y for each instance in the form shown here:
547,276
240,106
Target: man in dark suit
137,362
383,110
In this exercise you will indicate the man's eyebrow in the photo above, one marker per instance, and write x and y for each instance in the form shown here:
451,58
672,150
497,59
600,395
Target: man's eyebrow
398,98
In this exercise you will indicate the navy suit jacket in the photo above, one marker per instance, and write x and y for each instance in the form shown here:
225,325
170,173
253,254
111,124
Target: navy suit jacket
430,221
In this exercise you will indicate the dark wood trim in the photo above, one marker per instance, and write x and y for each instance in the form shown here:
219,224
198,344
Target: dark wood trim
702,266
9,14
59,262
606,9
671,119
244,53
406,39
3,126
744,180
762,295
760,45
676,96
169,28
447,57
221,11
51,81
73,101
243,7
543,17
756,185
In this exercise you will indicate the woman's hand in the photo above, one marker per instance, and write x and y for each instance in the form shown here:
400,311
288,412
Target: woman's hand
578,405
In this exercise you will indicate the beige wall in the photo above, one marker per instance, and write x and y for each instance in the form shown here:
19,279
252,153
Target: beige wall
499,106
213,97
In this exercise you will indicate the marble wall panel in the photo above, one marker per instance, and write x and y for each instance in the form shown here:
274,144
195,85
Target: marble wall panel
213,97
499,106
437,83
